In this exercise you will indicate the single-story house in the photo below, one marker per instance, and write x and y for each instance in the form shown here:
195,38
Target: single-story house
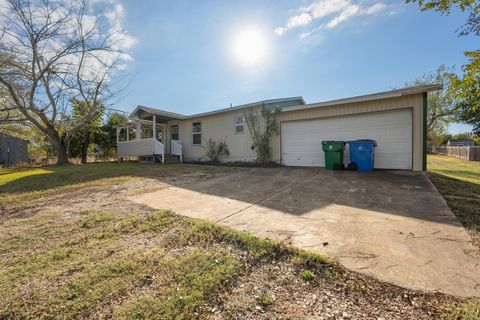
460,143
13,150
395,119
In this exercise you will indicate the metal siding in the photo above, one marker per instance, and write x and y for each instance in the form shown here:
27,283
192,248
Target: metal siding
18,150
415,102
301,140
217,127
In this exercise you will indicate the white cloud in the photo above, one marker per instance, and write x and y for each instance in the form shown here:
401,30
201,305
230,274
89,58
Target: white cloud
328,14
299,20
376,8
120,38
280,30
346,14
322,8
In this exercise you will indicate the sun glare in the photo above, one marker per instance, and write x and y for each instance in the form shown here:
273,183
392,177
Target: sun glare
249,46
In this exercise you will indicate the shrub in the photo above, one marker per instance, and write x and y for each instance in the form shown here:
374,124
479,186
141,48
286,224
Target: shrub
215,150
262,139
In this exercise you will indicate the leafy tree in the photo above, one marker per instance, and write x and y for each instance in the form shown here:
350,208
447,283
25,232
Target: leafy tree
441,107
465,89
107,139
471,7
80,143
441,139
262,137
467,92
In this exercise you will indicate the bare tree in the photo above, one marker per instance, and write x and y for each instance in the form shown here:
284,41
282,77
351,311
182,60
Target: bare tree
52,51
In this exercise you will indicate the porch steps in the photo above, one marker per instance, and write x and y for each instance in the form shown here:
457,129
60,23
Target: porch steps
169,159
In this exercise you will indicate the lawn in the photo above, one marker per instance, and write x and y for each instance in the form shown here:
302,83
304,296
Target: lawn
73,247
459,183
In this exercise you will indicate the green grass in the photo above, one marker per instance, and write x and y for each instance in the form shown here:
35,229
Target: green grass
18,188
307,275
29,180
459,183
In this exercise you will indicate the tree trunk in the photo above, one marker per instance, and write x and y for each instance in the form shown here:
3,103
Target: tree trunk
62,152
85,145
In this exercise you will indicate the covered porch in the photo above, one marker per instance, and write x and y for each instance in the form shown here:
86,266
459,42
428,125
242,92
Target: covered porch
146,135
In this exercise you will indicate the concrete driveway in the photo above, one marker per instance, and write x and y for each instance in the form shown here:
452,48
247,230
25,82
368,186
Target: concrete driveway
391,225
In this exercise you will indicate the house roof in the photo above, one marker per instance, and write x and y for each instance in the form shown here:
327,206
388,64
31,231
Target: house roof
173,115
301,105
461,140
6,137
369,97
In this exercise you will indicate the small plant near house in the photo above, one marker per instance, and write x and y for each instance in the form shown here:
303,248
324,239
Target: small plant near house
215,150
262,138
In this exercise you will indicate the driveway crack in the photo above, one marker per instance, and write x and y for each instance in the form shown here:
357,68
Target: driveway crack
268,197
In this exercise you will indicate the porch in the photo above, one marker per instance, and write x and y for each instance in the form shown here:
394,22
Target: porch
145,136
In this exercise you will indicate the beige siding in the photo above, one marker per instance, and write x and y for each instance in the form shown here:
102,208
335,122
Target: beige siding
414,102
220,126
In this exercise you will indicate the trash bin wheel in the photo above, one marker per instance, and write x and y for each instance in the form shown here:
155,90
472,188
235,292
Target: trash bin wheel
338,166
352,166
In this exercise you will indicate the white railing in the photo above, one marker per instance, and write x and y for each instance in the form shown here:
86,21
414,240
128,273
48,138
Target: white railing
176,148
143,147
135,148
159,149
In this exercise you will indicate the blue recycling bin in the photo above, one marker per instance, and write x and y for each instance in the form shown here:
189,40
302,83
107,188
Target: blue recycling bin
362,154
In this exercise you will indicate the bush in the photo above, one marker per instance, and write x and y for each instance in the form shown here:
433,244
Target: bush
216,149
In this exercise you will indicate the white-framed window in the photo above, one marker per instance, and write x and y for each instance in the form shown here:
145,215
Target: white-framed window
239,124
197,133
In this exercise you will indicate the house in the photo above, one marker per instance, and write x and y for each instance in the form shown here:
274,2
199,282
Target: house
395,119
13,150
460,143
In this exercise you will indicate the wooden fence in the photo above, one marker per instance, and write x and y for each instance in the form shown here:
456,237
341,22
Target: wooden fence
466,153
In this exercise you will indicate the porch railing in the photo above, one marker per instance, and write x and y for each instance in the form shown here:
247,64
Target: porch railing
176,148
142,147
159,149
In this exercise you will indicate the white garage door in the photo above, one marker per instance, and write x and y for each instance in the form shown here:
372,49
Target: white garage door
302,140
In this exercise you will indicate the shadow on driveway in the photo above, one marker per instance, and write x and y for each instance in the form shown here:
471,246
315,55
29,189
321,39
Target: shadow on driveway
393,225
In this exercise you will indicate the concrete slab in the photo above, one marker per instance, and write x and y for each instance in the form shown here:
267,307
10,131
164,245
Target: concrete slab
391,225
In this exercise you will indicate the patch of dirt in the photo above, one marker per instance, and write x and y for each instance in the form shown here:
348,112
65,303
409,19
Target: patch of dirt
291,297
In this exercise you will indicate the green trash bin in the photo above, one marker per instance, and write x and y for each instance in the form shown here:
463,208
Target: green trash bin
333,154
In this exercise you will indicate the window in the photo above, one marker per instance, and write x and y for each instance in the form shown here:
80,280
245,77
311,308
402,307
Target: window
174,132
240,124
197,133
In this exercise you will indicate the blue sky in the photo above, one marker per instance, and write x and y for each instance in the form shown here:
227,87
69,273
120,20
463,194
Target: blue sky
186,57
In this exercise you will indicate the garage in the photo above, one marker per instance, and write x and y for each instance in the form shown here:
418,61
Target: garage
301,139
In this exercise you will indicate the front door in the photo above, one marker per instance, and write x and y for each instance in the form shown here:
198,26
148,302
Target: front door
174,132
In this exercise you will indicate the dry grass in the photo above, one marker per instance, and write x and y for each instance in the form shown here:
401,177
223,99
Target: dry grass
72,247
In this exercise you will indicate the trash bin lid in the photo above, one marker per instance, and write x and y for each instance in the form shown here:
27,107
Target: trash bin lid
363,141
333,145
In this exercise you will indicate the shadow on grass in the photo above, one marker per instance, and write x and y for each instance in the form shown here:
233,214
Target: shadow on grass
463,198
459,172
39,179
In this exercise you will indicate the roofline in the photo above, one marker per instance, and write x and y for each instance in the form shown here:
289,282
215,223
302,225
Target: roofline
369,97
239,107
158,112
244,106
